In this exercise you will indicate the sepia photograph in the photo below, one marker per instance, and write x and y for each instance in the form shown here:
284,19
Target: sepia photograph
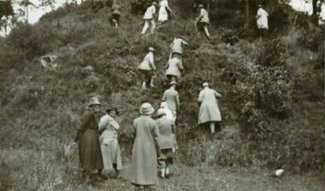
162,95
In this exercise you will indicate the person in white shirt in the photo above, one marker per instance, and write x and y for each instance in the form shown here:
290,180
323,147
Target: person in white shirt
203,21
149,19
262,20
176,48
163,14
147,68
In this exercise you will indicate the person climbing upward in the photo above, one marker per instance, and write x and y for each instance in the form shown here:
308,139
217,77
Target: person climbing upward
203,21
174,68
209,109
149,19
163,11
176,47
172,98
147,68
262,21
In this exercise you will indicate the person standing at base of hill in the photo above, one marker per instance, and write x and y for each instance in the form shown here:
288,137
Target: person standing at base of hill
146,151
203,21
171,97
90,154
147,69
163,11
149,19
262,21
209,109
109,128
174,68
176,47
167,142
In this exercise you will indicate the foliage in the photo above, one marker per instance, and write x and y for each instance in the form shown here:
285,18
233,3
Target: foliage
6,8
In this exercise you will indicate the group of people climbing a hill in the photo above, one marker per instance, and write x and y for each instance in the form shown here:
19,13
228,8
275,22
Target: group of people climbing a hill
202,22
154,140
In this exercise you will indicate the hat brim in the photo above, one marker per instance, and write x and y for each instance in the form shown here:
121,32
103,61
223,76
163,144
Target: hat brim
147,112
113,109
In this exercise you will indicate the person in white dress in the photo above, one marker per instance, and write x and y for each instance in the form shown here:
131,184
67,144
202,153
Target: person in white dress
163,13
262,20
209,109
149,19
171,97
110,147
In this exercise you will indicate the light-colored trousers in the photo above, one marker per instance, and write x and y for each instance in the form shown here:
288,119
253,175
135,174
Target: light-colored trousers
149,23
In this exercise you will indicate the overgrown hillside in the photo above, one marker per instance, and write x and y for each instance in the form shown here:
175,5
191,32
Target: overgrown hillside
272,104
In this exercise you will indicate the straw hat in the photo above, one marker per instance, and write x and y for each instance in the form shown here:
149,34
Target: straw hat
151,49
93,101
201,6
146,109
154,3
161,112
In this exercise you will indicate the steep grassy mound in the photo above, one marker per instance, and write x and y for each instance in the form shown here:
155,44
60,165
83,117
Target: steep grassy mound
272,90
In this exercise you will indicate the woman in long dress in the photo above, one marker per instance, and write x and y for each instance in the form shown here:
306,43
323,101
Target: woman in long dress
209,109
110,147
163,14
88,142
146,149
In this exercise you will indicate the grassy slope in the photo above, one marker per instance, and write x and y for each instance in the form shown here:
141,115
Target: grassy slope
40,110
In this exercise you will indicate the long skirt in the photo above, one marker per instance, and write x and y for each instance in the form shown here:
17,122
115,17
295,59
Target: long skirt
111,155
89,151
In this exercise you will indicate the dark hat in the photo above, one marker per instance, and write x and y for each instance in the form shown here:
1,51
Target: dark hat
112,109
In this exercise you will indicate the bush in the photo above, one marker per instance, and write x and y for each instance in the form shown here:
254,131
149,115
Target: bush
272,53
265,96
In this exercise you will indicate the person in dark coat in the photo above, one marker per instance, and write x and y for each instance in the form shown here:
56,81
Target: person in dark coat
90,155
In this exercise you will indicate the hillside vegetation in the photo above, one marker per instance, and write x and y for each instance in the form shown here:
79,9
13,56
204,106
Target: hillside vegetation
272,104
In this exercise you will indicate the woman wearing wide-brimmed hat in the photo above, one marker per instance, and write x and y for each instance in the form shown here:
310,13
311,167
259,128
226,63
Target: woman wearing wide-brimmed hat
167,141
146,149
209,109
110,147
87,135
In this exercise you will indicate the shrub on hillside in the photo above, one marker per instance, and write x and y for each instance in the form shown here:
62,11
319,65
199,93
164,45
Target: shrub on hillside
33,41
265,96
272,53
311,39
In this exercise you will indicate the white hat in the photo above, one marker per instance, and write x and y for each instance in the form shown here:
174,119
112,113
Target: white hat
151,49
93,101
146,109
205,84
161,112
164,105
